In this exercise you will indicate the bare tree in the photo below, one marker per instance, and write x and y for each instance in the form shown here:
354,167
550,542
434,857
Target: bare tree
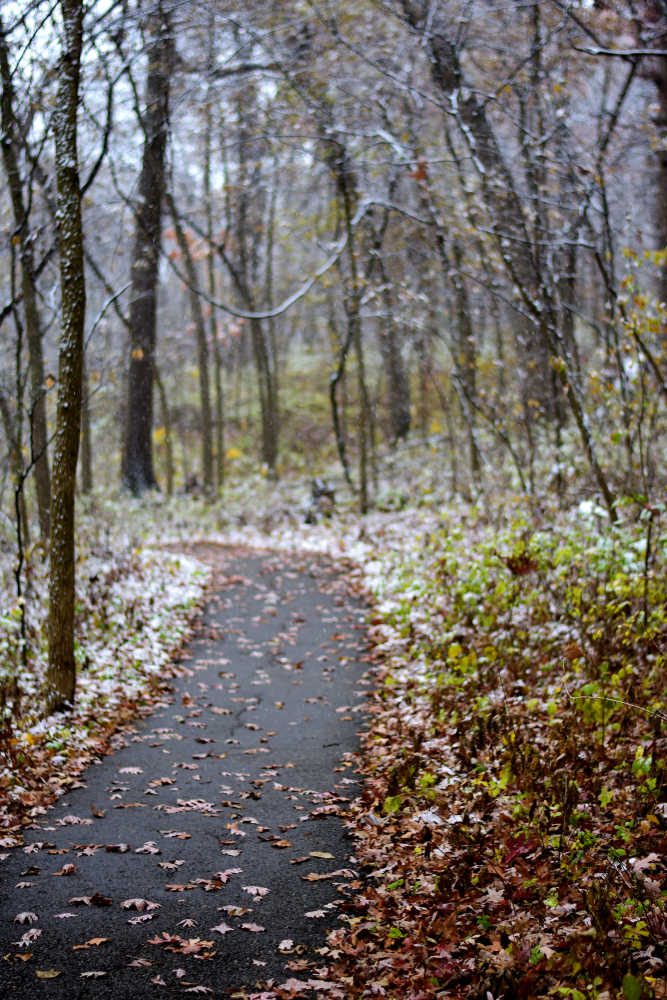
137,472
61,678
23,235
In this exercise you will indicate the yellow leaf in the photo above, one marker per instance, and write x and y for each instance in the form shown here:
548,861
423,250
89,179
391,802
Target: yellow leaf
138,354
233,454
51,974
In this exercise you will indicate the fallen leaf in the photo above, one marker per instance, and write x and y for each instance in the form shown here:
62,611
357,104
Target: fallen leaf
51,974
222,928
281,843
179,888
198,989
28,937
81,900
255,890
180,836
187,923
26,955
117,848
286,945
232,854
294,986
158,981
93,941
24,885
224,876
62,916
316,913
253,928
95,975
131,805
130,770
98,813
321,854
141,919
139,963
298,861
68,869
148,848
26,918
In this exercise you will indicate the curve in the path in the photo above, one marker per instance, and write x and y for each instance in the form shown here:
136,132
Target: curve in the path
227,777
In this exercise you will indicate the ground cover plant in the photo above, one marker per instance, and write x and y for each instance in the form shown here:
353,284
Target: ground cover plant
513,821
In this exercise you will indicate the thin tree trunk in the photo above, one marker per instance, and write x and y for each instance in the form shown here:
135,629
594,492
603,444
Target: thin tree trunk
467,361
660,80
202,348
30,307
86,436
61,675
16,469
398,385
138,473
219,397
363,418
166,421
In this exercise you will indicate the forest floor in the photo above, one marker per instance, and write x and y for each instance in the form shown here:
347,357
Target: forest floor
169,889
510,834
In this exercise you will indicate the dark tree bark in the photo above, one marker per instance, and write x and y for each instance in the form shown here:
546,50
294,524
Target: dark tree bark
138,473
61,675
202,348
9,142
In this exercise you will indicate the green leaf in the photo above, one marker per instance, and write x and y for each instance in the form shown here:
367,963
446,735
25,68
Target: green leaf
605,796
392,804
632,988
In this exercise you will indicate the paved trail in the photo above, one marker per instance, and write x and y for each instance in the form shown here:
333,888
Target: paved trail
276,714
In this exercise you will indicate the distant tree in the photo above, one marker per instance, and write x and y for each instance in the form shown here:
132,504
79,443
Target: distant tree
137,469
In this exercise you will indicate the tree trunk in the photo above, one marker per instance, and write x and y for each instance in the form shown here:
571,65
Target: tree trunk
661,204
364,419
466,356
219,397
138,473
30,308
86,439
166,420
61,675
398,385
202,348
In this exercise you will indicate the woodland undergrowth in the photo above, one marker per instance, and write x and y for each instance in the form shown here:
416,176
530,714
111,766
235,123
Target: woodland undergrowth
514,820
135,608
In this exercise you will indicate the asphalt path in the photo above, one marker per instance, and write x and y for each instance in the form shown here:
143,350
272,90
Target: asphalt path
278,655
